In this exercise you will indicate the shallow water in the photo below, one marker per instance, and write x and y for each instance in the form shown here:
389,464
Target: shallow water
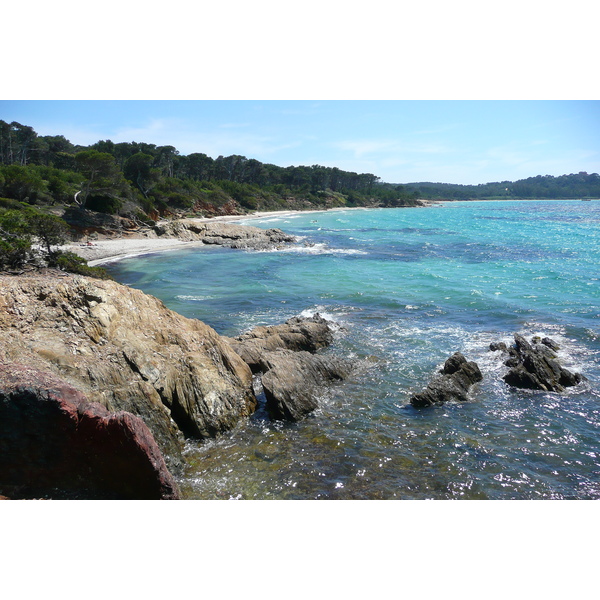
408,287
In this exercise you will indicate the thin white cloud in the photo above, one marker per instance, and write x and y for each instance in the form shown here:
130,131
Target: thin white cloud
223,139
391,148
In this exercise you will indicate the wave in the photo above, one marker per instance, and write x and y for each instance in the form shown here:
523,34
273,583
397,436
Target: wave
322,248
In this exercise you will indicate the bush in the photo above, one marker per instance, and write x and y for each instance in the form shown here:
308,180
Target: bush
70,262
104,204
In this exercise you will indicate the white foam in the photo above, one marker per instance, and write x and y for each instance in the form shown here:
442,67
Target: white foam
322,249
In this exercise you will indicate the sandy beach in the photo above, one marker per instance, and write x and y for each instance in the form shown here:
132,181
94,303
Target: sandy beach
110,250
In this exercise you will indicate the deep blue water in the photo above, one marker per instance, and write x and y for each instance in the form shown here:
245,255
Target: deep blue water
408,287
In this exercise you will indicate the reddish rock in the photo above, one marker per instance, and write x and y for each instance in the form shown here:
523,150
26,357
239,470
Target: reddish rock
54,443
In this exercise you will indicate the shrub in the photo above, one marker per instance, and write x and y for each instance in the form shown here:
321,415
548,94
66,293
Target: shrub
70,262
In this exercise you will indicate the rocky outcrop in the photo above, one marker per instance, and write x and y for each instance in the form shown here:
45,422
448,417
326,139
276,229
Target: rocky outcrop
126,351
245,237
535,365
54,443
308,334
293,376
456,378
293,381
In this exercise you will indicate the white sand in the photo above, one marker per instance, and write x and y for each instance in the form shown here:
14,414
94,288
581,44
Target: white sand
103,251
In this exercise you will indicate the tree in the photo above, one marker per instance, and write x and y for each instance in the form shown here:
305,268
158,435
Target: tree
138,169
21,183
103,176
15,239
50,231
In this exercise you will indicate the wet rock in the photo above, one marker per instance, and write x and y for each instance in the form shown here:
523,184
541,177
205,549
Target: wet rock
535,366
293,375
55,443
307,334
456,378
294,380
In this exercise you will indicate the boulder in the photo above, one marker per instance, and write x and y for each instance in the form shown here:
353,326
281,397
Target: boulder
125,350
293,375
55,443
298,333
535,366
456,378
293,381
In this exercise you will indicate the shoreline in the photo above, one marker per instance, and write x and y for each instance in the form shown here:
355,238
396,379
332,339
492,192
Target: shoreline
111,250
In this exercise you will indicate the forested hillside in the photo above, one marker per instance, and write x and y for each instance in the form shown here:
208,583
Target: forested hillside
579,185
143,181
140,180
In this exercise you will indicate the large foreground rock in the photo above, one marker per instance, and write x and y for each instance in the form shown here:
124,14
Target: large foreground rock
54,443
456,378
125,350
535,366
244,237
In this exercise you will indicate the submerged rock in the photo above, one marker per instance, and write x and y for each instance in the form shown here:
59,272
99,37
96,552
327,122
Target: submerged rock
535,366
456,378
55,443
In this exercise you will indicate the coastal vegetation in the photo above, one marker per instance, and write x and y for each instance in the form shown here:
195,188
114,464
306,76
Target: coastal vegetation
32,238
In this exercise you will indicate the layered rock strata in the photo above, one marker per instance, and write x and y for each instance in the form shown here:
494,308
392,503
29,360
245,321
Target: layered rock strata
53,441
293,375
454,382
103,359
125,350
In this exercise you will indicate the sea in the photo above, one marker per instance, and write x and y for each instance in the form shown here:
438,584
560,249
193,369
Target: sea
405,288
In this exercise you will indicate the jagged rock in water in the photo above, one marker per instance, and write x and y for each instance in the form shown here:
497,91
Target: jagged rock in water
309,334
293,375
293,381
54,443
127,351
246,237
535,366
456,378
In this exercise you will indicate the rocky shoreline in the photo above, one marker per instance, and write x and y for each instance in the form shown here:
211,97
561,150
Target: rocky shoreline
101,384
96,347
174,235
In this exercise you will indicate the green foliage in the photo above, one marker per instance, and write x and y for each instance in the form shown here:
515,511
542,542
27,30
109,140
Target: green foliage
21,183
21,227
15,238
49,230
104,204
70,262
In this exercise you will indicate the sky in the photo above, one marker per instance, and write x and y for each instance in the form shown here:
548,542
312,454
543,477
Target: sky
399,141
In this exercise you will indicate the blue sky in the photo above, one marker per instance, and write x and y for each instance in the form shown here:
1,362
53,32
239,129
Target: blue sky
466,142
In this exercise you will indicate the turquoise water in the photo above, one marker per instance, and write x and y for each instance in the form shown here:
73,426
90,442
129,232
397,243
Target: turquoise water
408,287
